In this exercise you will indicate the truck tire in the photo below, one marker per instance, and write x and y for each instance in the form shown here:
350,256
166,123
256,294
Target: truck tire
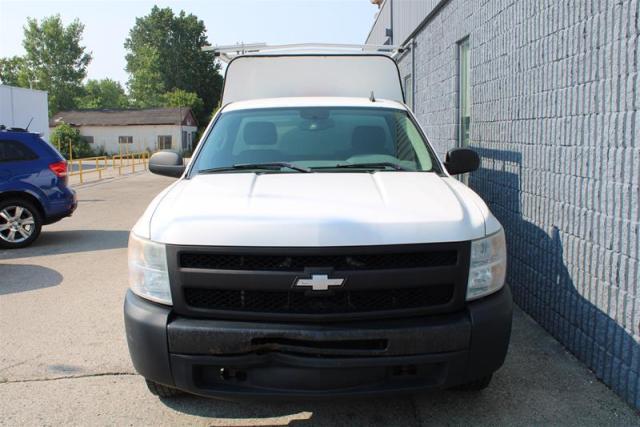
162,390
20,223
475,385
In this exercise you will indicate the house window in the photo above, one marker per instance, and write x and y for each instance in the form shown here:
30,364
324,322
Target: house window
185,143
464,85
408,90
87,138
125,140
164,142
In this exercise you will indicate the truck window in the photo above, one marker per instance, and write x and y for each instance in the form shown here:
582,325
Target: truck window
315,137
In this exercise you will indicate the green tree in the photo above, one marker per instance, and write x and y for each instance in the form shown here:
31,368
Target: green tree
164,53
13,71
182,98
102,94
65,134
146,85
54,60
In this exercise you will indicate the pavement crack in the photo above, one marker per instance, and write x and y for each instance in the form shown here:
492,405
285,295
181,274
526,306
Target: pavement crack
68,377
4,368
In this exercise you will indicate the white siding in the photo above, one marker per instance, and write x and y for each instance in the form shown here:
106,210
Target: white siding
19,105
407,15
145,137
377,34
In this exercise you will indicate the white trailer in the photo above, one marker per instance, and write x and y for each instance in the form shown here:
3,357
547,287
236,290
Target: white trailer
20,107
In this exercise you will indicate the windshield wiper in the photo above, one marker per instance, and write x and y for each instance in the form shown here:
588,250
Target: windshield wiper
378,165
266,166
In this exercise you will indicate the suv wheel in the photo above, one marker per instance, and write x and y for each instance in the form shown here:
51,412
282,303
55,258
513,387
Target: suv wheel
20,223
476,385
162,390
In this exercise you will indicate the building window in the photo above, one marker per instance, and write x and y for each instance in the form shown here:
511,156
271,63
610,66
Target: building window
408,90
185,143
164,142
87,138
125,140
464,85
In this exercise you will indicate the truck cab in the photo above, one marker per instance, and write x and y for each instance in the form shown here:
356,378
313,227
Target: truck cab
315,245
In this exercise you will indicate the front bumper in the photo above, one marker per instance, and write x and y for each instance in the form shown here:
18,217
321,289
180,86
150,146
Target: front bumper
244,359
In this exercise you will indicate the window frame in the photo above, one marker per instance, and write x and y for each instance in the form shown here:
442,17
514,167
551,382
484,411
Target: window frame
464,91
407,81
463,139
184,140
163,138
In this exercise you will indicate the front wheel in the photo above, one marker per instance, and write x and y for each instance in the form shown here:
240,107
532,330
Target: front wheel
20,223
162,390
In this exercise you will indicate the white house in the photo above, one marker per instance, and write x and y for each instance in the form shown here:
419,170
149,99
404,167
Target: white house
119,131
20,107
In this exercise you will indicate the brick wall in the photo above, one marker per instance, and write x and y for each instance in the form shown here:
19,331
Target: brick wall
555,94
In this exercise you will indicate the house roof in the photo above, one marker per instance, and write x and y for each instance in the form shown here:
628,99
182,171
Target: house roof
126,117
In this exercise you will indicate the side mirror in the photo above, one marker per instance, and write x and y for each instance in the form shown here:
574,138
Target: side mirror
167,163
461,160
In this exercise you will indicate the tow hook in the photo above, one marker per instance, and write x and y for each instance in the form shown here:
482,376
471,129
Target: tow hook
228,374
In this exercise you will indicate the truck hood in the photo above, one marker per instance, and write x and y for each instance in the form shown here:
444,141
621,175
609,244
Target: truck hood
315,209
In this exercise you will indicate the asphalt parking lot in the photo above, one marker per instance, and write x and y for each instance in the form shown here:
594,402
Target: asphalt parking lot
64,359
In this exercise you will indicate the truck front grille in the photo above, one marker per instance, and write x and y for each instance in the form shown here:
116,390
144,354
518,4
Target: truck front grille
260,283
345,262
340,301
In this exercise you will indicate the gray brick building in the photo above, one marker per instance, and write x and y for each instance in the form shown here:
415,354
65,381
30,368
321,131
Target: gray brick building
547,91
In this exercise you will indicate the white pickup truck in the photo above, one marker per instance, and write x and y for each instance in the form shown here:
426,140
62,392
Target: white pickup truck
315,246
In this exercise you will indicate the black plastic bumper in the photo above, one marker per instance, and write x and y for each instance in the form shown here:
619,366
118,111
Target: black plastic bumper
237,359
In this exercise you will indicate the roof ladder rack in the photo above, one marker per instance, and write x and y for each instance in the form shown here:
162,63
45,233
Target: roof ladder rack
227,52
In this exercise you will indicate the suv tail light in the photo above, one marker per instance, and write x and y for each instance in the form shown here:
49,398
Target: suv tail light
60,169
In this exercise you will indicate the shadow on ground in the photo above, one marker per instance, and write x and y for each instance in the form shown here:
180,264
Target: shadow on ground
72,241
22,278
325,412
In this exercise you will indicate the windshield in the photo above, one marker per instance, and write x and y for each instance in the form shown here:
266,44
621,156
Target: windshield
317,139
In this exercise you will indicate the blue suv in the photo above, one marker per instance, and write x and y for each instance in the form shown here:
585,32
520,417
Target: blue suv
33,187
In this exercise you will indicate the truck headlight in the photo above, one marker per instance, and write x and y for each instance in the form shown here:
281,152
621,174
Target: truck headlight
488,266
148,275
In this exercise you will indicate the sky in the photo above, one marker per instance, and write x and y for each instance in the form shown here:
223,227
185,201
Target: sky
107,23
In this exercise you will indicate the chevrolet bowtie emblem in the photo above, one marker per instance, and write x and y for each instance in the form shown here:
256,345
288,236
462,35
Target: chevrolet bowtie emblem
319,282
